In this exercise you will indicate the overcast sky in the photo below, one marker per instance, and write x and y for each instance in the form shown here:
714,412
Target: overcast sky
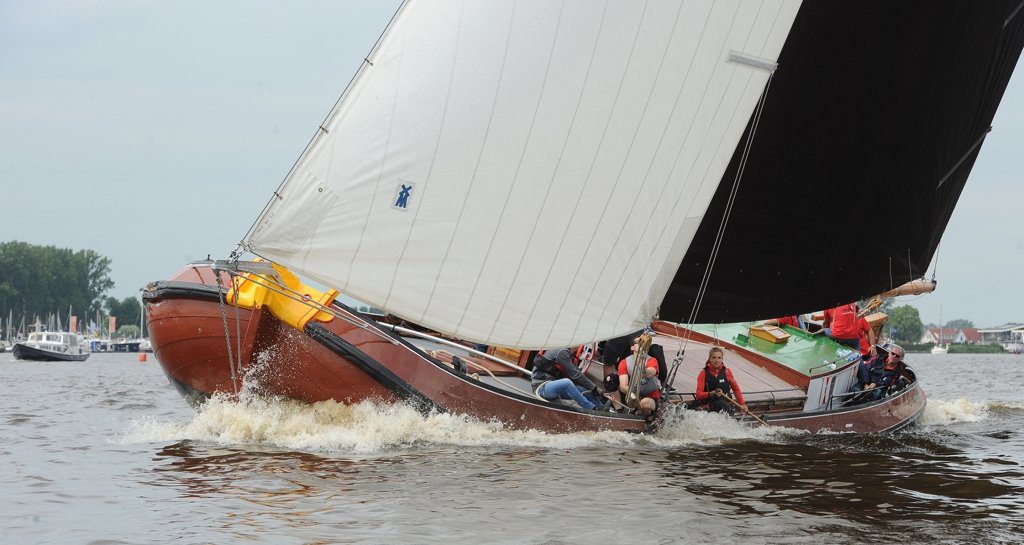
154,133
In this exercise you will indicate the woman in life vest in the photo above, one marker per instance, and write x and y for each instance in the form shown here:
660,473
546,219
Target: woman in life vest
650,386
715,382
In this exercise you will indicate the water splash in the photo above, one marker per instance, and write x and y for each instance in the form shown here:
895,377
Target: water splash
702,428
1007,406
942,413
370,427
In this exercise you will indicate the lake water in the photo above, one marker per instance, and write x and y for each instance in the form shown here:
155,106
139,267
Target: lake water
105,452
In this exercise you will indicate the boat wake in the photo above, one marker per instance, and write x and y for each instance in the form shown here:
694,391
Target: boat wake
370,427
943,413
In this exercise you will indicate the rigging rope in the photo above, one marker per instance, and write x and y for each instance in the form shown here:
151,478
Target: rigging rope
720,235
436,354
289,293
320,128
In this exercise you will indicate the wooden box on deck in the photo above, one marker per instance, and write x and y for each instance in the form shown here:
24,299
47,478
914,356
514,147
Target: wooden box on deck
769,333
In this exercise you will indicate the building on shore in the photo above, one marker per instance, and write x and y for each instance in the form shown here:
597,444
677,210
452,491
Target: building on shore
1010,336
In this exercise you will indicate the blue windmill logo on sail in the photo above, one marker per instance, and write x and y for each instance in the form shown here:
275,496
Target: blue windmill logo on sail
403,195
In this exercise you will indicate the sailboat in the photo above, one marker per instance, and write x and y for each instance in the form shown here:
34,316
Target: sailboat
940,347
528,175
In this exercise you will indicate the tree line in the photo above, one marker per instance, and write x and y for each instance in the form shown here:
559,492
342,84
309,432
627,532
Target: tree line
905,325
40,282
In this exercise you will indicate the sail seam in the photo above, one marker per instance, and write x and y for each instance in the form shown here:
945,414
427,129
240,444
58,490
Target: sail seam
433,157
731,119
547,193
1013,14
964,157
597,151
515,174
364,224
623,271
639,277
604,268
246,242
476,165
701,149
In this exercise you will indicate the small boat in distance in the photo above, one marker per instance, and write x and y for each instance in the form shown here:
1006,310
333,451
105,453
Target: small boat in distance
98,345
126,345
51,346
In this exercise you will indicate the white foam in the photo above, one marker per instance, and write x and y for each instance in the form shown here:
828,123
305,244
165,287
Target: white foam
700,427
941,413
369,427
1009,405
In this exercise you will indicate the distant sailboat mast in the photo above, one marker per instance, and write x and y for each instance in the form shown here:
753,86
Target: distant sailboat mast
940,347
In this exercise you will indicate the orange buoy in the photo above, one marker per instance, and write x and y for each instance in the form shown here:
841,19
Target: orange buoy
142,356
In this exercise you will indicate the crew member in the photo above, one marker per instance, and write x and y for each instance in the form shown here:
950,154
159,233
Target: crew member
555,376
840,324
715,384
879,375
650,385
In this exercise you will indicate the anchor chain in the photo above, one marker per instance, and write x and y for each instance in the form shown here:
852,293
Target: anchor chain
227,334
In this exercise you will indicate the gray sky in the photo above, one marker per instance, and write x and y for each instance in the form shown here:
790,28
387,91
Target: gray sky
154,133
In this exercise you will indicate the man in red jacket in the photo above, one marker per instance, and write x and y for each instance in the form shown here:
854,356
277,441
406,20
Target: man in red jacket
715,382
840,323
867,340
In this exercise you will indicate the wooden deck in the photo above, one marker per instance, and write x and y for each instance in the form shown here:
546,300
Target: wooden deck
749,376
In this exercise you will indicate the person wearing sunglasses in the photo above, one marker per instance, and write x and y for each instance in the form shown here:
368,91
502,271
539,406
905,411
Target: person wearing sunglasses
880,374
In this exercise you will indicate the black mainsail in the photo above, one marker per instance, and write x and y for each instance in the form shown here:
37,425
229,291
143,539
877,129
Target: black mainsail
870,129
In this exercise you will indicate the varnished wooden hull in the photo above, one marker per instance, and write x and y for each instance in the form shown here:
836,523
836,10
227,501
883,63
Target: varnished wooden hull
891,413
342,360
888,414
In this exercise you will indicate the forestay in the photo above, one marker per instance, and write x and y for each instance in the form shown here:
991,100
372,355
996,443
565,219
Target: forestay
526,173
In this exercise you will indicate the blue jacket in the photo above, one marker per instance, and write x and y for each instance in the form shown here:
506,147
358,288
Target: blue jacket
874,371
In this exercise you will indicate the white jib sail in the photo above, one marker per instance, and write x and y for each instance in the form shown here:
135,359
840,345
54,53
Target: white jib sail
526,173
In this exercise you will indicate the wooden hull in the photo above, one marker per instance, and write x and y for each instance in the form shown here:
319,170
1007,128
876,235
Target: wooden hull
345,360
887,414
25,352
